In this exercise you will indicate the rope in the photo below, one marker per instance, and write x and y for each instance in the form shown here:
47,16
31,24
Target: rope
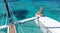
11,13
21,28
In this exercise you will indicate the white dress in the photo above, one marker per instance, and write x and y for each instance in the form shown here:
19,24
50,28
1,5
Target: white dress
37,19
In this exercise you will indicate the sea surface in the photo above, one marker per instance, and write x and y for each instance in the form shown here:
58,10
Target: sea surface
23,9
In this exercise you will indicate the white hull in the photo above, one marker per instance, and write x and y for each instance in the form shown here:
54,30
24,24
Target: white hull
47,24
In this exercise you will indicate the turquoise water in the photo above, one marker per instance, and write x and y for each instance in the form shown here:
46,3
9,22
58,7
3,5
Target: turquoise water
29,8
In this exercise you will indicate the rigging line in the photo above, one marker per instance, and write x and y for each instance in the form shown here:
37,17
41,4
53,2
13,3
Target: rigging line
11,12
8,10
21,28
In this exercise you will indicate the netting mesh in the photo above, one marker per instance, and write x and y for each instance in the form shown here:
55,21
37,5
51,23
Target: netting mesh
29,26
3,30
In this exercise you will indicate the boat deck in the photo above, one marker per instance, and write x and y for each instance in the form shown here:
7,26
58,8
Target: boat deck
11,29
55,30
49,22
48,25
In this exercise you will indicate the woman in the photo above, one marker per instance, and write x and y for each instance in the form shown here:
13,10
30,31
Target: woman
38,15
40,12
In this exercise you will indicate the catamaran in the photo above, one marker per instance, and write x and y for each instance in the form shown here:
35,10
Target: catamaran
46,24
